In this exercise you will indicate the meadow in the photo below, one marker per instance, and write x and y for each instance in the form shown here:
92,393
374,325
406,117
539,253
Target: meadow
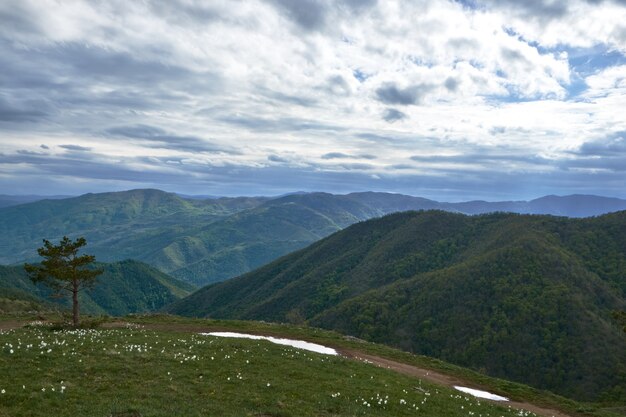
134,371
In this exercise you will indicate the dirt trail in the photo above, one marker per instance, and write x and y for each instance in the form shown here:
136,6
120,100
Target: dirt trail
442,379
403,368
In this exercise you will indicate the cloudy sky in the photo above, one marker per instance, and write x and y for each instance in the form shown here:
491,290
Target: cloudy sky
451,100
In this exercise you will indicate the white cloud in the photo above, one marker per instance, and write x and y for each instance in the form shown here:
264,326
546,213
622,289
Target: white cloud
269,79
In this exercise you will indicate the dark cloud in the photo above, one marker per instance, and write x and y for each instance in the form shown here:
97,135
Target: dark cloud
15,19
55,81
255,123
276,158
607,154
76,148
155,137
27,152
42,146
402,166
534,9
335,155
357,166
359,5
340,155
338,85
452,84
483,159
312,15
440,184
391,94
308,14
19,114
393,115
612,145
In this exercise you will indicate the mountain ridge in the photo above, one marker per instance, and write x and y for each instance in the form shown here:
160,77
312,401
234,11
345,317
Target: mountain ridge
204,241
525,297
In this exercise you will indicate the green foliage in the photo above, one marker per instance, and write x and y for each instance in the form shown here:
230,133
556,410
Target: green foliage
527,298
206,241
64,271
125,287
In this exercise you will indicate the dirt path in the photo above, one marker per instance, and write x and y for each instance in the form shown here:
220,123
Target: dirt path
10,325
403,368
441,379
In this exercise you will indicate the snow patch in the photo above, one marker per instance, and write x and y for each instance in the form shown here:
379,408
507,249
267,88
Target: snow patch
300,344
481,394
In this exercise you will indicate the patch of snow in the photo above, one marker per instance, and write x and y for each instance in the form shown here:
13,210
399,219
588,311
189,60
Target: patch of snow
300,344
481,394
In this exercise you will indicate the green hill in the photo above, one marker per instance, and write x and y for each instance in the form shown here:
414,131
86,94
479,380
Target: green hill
124,287
198,241
528,298
209,240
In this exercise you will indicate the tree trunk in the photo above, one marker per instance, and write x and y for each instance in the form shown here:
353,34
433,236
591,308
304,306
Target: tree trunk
75,303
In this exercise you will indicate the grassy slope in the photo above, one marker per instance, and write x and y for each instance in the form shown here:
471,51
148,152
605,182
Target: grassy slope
301,384
522,297
124,287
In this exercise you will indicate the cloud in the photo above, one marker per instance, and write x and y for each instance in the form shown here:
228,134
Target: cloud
341,155
308,14
275,125
276,158
76,148
393,115
155,137
18,114
612,145
389,93
204,92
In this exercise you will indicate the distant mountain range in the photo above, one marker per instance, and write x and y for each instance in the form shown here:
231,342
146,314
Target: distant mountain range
210,240
14,200
527,298
124,287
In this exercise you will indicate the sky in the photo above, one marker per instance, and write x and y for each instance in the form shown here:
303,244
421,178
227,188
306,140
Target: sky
450,100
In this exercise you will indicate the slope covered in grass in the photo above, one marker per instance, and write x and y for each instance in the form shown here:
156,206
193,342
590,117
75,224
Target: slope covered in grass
132,371
528,298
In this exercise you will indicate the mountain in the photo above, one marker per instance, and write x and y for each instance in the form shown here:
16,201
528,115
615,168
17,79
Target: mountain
198,241
14,200
575,205
124,287
204,241
527,298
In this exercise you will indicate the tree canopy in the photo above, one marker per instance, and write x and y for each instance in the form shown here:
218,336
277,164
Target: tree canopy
64,270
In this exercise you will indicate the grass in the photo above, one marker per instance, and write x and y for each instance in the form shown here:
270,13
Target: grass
513,390
167,369
137,372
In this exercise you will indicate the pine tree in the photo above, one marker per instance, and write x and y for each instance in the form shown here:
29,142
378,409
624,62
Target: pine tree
64,270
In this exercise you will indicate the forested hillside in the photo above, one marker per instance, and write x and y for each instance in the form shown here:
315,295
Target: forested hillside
210,240
529,298
124,287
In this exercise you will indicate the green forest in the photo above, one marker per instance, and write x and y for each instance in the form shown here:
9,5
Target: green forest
528,298
124,287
